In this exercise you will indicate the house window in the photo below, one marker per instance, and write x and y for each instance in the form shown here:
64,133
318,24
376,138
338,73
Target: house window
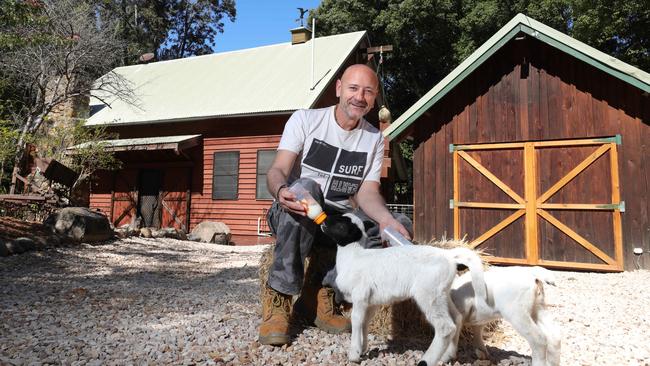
225,175
264,160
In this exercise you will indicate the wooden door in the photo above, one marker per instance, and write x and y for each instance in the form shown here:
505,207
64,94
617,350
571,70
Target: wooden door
124,202
550,203
175,198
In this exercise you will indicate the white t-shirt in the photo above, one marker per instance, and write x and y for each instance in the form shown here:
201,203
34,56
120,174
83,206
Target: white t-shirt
337,159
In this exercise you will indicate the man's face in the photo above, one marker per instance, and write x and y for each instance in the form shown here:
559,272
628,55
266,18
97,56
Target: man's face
357,90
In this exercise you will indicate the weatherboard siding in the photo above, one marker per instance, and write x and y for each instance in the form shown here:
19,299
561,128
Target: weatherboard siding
241,214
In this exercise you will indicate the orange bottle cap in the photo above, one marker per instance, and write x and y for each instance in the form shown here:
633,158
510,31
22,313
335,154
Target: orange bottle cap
320,218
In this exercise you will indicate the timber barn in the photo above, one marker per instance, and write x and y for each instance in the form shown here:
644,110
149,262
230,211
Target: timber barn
536,149
199,136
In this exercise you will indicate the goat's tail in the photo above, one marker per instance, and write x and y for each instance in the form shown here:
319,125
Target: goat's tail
544,275
472,261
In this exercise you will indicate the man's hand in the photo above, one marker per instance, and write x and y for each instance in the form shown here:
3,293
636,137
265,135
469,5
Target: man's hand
288,202
391,222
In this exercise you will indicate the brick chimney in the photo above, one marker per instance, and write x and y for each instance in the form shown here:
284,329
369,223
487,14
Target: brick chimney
300,35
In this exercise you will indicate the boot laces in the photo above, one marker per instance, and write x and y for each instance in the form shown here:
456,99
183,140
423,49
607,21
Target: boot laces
331,307
278,304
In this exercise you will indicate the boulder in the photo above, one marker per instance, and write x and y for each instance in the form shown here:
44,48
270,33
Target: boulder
211,232
80,224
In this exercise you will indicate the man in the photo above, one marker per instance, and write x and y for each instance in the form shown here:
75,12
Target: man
337,155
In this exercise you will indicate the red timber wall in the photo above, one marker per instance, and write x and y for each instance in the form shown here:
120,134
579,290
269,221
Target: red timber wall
240,215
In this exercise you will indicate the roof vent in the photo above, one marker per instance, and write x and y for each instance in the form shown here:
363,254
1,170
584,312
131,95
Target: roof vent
300,35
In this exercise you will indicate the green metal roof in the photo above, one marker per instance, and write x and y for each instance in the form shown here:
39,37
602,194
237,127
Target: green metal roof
546,34
264,80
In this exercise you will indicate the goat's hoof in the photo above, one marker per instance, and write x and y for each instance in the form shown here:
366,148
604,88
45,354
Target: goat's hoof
423,363
354,356
447,358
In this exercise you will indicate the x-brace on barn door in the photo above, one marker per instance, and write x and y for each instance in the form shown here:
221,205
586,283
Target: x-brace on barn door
533,206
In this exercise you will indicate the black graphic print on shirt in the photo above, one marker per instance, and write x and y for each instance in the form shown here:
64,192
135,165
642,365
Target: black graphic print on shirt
321,156
345,168
341,188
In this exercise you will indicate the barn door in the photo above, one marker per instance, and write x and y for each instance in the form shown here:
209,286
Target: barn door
125,197
552,203
175,198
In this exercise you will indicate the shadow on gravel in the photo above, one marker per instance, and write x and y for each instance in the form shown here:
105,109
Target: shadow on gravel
140,273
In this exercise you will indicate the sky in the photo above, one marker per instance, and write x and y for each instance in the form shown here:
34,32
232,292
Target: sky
261,23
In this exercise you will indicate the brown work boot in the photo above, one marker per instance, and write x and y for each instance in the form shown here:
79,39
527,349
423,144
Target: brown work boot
328,315
276,310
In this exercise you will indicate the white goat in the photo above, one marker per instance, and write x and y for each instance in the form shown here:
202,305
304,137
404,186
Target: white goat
515,294
368,278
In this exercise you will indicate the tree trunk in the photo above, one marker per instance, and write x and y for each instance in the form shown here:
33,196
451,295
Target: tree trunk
32,124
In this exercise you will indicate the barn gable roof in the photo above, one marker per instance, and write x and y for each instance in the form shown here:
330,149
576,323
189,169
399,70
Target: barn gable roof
542,32
264,80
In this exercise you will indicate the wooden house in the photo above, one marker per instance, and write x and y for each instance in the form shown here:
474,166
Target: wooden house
199,137
535,149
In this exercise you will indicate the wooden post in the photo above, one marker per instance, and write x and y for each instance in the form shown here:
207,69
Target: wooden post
456,197
530,182
12,187
616,199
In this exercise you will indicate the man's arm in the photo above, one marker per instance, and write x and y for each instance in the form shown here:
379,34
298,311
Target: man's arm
373,204
277,176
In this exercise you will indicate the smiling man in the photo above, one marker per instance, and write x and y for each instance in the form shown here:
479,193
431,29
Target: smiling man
337,155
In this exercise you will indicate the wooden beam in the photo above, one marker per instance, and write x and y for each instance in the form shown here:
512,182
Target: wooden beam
456,196
580,265
578,239
378,49
506,206
500,146
616,197
530,186
496,228
579,206
573,173
22,197
481,169
581,142
519,145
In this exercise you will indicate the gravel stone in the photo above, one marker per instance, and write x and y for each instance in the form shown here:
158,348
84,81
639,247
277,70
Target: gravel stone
164,301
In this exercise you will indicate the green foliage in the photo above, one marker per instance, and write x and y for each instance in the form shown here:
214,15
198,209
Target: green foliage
168,28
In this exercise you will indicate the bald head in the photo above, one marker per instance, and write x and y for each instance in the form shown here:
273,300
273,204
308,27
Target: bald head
356,90
361,70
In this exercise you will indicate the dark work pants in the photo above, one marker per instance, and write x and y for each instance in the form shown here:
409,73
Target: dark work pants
296,237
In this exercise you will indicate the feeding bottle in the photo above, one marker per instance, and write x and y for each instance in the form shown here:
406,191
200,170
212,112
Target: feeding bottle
394,237
312,208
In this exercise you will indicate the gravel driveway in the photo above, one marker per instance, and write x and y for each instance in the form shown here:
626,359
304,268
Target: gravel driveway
147,301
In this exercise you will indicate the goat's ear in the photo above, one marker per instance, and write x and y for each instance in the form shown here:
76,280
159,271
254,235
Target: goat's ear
367,224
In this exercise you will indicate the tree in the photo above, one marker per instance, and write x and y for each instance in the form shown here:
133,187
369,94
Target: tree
168,28
61,52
